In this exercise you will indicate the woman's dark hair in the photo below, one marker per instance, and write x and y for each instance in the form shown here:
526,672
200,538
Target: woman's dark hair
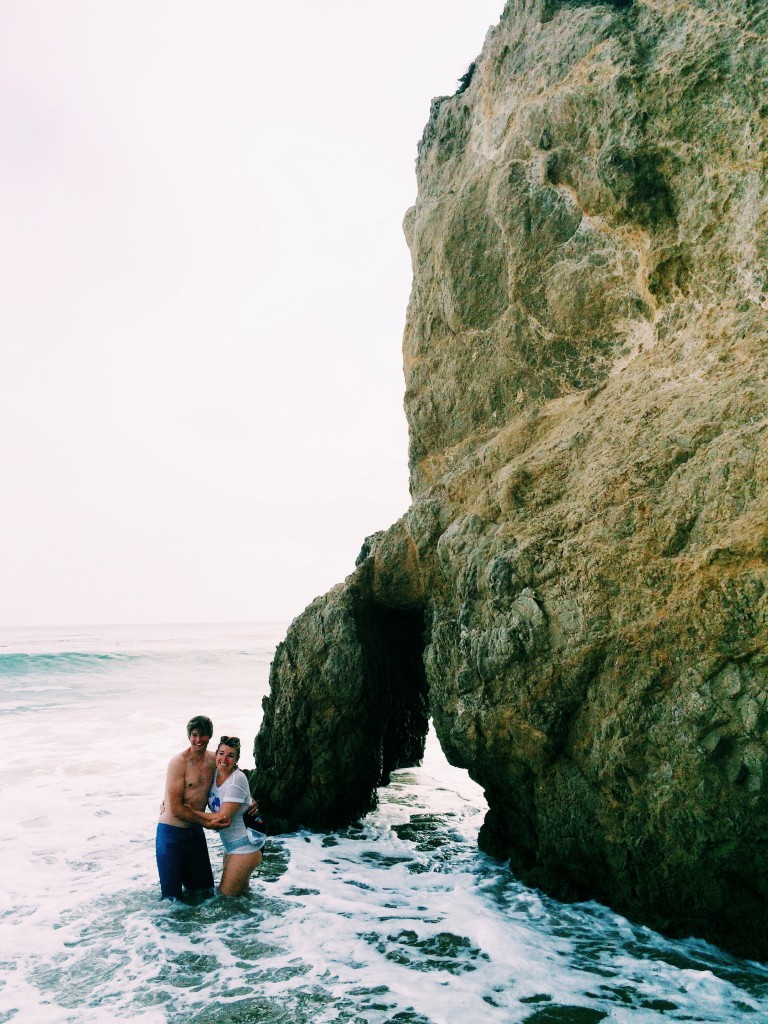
231,741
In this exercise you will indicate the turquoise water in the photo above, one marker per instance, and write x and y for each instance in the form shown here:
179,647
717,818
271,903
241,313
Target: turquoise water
397,919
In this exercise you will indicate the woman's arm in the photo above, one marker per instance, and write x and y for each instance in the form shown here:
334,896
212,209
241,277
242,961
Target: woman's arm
230,809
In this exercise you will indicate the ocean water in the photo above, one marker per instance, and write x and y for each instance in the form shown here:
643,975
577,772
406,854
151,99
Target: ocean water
397,919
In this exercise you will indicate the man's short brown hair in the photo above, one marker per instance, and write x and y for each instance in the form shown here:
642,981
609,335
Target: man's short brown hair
202,723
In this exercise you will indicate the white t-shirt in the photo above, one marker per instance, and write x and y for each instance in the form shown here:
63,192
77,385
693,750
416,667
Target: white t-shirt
234,790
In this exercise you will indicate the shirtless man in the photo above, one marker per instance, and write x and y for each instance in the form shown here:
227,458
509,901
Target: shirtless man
180,846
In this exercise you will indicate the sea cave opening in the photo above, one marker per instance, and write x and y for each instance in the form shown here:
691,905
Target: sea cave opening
415,781
393,641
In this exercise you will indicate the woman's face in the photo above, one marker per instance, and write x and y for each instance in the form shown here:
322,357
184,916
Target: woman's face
226,758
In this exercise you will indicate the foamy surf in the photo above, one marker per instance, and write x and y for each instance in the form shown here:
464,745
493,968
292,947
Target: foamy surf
397,919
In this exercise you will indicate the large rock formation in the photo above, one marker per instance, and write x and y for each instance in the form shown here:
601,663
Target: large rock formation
578,592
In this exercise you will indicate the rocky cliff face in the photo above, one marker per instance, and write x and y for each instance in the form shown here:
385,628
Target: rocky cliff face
578,592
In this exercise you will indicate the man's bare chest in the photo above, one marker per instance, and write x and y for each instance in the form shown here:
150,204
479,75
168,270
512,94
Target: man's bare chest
197,778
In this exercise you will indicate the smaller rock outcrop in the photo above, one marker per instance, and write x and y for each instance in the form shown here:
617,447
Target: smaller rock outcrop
348,697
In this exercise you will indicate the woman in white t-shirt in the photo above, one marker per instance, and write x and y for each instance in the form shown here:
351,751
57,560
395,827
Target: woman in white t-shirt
230,794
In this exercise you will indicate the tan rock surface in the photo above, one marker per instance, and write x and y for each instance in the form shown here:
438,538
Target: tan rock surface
586,359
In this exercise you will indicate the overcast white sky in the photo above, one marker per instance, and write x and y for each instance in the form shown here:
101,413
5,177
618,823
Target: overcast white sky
203,284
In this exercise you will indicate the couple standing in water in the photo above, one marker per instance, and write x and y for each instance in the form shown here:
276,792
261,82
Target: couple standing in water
196,778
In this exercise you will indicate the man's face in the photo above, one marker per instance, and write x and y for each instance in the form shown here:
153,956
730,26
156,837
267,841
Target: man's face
198,740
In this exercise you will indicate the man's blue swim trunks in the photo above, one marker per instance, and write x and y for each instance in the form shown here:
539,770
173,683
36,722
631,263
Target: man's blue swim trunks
182,860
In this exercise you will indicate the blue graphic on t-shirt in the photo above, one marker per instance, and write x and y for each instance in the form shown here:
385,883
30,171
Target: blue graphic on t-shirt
214,803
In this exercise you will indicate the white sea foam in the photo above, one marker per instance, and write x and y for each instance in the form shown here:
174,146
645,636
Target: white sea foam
398,919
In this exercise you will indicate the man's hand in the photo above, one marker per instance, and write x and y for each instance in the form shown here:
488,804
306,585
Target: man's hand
217,821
